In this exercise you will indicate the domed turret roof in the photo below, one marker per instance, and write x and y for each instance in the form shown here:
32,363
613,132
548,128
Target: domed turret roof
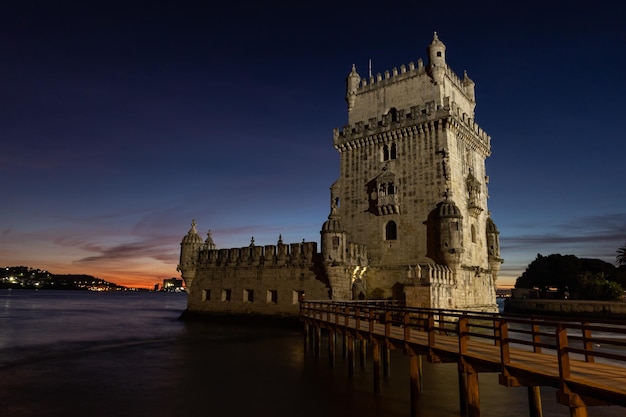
192,236
332,224
436,41
491,226
447,209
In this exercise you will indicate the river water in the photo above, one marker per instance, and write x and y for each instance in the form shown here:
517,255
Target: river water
91,354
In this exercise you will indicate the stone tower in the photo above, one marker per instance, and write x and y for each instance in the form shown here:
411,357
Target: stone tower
412,190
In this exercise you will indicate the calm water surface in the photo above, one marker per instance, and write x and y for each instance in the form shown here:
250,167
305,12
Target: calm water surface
88,354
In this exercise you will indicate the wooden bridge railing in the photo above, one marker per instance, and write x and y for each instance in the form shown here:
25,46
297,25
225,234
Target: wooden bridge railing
565,340
590,339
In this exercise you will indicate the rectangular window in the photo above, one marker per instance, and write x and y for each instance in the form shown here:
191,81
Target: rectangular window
226,295
272,296
297,295
206,295
248,296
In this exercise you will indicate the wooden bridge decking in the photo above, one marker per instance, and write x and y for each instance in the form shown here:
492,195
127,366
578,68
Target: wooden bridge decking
585,360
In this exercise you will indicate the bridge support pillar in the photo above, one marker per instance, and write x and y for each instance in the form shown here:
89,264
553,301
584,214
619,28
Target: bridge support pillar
415,375
318,341
386,360
307,336
469,394
534,402
577,407
376,360
350,356
363,352
332,340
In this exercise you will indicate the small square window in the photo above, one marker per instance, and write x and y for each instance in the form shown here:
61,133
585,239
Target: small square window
297,295
272,296
248,296
226,295
206,295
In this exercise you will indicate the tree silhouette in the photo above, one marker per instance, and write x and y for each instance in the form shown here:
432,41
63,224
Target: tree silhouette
582,278
621,256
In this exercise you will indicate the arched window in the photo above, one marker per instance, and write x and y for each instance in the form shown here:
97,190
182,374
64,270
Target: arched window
389,152
394,114
391,231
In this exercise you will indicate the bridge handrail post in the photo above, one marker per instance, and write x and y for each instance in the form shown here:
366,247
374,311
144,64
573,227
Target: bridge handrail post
496,331
406,323
505,354
329,308
536,335
431,330
587,343
562,352
387,323
463,335
357,316
372,320
346,314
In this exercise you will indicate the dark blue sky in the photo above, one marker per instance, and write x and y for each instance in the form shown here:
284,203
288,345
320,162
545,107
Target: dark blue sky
120,122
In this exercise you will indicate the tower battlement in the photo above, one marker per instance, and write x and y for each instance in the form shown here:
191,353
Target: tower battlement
297,254
430,85
404,72
415,119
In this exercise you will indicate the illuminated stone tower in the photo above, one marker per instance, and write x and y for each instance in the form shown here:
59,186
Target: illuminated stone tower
412,190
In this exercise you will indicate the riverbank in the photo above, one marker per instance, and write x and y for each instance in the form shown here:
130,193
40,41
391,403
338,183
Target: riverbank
606,310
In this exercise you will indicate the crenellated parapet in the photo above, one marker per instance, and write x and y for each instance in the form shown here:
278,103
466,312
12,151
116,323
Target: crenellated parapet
406,72
294,254
356,254
430,274
414,121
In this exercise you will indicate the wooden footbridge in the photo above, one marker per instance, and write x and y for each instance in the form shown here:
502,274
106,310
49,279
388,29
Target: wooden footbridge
585,360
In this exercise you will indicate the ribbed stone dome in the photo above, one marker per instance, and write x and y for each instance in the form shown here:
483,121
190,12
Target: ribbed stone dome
332,225
491,226
192,236
447,209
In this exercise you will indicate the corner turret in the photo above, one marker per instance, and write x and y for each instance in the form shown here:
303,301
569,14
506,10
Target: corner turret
189,250
352,84
493,247
436,59
333,238
445,233
469,87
